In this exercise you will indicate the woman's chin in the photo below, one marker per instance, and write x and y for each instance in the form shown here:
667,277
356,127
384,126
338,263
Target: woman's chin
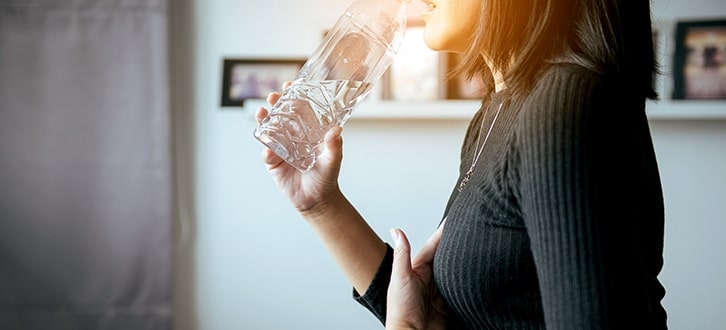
437,44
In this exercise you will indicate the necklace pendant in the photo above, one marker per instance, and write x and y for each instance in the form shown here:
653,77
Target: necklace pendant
466,177
464,181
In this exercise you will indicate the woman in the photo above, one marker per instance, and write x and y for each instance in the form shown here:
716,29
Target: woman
557,218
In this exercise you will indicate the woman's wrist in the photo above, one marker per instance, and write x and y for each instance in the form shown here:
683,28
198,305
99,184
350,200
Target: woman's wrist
325,207
398,327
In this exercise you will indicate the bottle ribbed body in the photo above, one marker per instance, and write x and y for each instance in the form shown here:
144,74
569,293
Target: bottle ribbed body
334,80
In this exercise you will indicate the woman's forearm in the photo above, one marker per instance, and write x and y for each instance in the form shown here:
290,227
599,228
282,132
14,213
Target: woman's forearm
353,244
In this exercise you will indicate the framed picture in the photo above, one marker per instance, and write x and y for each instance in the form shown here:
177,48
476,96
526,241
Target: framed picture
459,88
699,63
244,79
417,73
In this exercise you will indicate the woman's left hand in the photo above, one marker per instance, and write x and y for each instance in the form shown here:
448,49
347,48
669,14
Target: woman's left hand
413,299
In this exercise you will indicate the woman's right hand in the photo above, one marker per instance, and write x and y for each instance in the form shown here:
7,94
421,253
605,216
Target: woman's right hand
307,191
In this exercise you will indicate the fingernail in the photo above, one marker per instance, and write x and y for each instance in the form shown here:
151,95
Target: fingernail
396,237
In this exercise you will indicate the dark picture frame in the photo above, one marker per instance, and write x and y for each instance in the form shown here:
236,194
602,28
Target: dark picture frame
699,62
244,79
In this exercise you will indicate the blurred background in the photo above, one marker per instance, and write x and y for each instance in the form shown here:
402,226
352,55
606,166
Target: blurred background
131,199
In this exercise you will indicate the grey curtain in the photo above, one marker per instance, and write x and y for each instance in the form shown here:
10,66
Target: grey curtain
86,201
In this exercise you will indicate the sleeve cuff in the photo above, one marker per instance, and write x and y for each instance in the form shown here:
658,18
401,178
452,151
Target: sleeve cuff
374,299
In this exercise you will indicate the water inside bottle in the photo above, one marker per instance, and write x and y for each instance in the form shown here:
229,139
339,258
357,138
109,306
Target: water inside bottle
339,74
305,113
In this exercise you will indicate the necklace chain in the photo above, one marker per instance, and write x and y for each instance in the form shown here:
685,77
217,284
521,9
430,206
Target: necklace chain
468,173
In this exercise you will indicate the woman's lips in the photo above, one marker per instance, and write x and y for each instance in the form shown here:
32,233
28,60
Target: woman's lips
430,6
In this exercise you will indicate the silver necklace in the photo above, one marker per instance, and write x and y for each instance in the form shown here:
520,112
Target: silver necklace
465,180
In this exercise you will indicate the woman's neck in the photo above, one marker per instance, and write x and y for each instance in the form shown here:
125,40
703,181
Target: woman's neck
498,75
499,84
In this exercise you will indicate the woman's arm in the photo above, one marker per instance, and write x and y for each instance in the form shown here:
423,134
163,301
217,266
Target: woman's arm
316,195
355,247
591,203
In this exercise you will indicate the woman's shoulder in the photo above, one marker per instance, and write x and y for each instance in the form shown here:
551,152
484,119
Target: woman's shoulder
569,94
569,80
571,87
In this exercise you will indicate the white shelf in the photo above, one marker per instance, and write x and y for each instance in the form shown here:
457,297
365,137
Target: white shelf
465,109
439,110
687,110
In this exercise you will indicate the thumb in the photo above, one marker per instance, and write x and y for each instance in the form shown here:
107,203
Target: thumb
401,255
334,143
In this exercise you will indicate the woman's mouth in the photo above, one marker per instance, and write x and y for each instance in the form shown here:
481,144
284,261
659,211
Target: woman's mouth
430,6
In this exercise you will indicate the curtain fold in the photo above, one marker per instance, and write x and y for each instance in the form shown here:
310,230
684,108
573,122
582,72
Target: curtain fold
86,201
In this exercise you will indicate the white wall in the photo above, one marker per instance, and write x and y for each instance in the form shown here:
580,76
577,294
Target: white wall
247,261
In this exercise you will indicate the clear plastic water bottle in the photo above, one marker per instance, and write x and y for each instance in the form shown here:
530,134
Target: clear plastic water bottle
340,73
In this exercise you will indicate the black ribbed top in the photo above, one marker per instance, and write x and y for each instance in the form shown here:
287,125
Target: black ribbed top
561,224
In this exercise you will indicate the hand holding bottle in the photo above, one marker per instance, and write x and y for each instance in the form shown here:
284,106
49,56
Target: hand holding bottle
334,80
306,189
316,195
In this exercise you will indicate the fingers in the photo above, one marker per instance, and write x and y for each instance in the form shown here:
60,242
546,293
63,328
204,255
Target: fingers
426,255
401,255
260,114
274,96
334,143
271,99
270,158
332,137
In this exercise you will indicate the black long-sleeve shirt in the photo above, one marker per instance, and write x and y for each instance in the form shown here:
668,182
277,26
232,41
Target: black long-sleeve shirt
561,225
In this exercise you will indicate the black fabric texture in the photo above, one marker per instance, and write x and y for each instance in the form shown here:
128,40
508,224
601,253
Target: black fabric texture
561,226
377,291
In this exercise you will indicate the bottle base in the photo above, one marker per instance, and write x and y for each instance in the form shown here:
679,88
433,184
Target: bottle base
302,165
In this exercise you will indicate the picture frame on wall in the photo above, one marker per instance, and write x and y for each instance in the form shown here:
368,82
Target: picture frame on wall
699,63
244,79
